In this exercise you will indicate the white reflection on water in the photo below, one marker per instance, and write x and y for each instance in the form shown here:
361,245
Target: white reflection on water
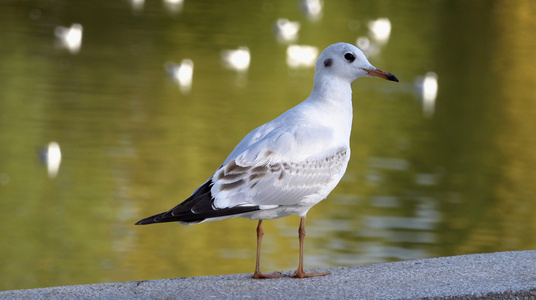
380,30
173,6
378,35
313,9
301,56
286,31
51,157
427,87
70,38
181,73
237,59
137,6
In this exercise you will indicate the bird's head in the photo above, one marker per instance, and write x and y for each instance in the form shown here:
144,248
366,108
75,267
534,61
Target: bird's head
348,63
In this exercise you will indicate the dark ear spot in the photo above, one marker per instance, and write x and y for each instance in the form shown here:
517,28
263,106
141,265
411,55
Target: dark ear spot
328,62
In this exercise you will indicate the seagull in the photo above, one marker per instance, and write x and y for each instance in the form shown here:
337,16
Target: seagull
70,37
181,73
313,8
51,157
289,164
301,56
286,31
427,88
380,29
173,6
137,5
237,59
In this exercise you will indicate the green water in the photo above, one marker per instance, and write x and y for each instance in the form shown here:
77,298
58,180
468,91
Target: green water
460,180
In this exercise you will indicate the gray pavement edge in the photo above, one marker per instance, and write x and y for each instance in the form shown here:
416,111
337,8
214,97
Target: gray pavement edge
502,275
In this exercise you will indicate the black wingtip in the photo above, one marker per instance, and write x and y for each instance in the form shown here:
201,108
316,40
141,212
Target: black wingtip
150,220
143,222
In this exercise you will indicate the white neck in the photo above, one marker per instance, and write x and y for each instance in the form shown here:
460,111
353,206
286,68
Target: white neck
332,88
333,97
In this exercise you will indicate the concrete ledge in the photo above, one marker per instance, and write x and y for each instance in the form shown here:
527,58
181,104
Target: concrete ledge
503,275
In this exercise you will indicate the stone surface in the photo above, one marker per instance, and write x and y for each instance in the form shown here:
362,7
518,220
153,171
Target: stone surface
503,275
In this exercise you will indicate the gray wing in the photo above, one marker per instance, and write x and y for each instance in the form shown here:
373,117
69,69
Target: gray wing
271,184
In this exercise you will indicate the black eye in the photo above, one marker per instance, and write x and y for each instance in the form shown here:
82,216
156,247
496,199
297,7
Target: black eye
349,57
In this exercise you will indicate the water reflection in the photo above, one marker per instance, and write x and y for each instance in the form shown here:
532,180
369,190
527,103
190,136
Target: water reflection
181,73
427,87
137,6
70,37
299,56
237,59
313,9
51,157
286,31
173,6
380,30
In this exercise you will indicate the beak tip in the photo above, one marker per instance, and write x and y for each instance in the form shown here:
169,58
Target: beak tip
381,74
392,77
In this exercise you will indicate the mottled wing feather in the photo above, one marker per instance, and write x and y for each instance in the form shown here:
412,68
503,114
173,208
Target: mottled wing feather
276,183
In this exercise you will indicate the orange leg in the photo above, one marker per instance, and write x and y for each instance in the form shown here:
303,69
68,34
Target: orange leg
258,274
300,273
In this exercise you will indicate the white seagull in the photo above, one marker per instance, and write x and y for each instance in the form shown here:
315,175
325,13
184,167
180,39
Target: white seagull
289,164
181,73
70,37
51,157
237,59
286,31
427,87
380,29
301,56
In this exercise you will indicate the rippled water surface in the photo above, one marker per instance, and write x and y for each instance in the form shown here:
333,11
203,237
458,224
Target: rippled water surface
429,176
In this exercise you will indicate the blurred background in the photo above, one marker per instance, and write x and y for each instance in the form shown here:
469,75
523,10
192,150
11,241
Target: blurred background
111,111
